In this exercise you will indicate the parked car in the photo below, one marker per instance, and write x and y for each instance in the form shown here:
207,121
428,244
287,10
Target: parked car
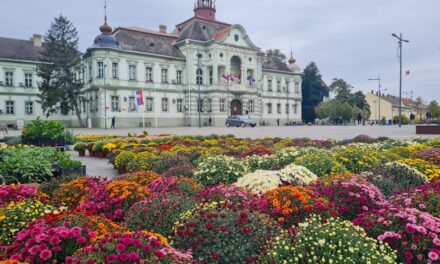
239,121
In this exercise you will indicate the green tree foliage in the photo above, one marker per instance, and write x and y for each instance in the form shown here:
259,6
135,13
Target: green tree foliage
335,109
277,54
61,87
434,109
313,90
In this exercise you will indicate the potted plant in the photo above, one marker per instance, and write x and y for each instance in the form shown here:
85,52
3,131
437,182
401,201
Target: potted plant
98,148
81,148
69,140
90,149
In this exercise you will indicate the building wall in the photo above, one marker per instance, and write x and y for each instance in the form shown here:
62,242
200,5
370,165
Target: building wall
387,109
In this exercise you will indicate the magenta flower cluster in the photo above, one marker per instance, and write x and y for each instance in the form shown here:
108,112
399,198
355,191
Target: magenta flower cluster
413,233
14,193
40,243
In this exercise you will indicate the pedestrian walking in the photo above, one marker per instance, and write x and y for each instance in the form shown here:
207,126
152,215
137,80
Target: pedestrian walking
114,122
412,117
210,121
278,121
359,118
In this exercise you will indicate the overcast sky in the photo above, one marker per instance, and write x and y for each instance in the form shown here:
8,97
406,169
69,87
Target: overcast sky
348,39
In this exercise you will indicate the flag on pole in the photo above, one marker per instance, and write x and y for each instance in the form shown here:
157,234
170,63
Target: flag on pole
251,79
139,97
226,77
408,72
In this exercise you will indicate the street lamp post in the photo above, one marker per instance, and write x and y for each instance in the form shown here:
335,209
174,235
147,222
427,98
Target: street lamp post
287,104
199,103
400,38
105,97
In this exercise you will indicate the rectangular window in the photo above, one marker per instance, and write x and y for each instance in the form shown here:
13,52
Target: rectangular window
28,79
100,69
222,105
29,108
179,105
9,78
132,72
269,85
295,109
90,72
115,70
165,104
164,75
131,104
211,77
269,108
149,74
296,87
287,108
278,86
115,103
251,106
149,104
179,77
279,108
10,107
200,105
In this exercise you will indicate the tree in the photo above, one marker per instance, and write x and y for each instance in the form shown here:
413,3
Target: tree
337,110
277,54
343,90
313,90
418,107
61,87
434,109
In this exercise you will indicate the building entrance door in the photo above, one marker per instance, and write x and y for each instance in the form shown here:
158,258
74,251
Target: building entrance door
236,107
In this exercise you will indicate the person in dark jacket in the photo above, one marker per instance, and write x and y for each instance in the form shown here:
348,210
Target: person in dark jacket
114,122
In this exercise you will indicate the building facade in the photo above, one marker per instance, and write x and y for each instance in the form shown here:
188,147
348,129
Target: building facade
387,106
202,70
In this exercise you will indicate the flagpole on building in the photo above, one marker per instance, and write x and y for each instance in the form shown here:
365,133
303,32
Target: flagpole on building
145,109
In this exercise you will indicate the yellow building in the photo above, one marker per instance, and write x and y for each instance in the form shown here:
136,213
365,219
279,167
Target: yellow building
387,106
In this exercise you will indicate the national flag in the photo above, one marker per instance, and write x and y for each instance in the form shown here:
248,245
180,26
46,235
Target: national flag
226,77
139,97
408,72
235,77
251,79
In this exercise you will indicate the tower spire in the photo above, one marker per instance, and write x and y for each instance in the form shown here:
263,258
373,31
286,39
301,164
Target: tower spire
105,28
292,60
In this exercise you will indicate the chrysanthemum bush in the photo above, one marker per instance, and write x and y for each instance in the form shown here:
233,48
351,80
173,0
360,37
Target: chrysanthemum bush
430,155
142,177
15,193
114,199
135,247
353,197
214,170
426,198
320,162
221,233
358,157
159,212
414,234
71,193
259,181
16,216
176,184
39,243
331,241
230,194
291,205
431,171
395,176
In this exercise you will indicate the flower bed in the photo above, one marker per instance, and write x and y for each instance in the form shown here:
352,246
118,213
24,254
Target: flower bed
227,200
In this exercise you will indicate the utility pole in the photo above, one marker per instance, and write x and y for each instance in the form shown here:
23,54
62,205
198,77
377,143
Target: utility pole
400,38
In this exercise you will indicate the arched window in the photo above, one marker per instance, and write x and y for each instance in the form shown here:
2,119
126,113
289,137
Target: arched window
199,77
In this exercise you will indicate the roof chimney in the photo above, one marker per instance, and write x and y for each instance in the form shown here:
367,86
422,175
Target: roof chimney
163,28
38,40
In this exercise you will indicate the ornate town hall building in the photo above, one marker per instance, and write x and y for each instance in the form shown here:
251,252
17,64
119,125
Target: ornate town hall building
203,65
